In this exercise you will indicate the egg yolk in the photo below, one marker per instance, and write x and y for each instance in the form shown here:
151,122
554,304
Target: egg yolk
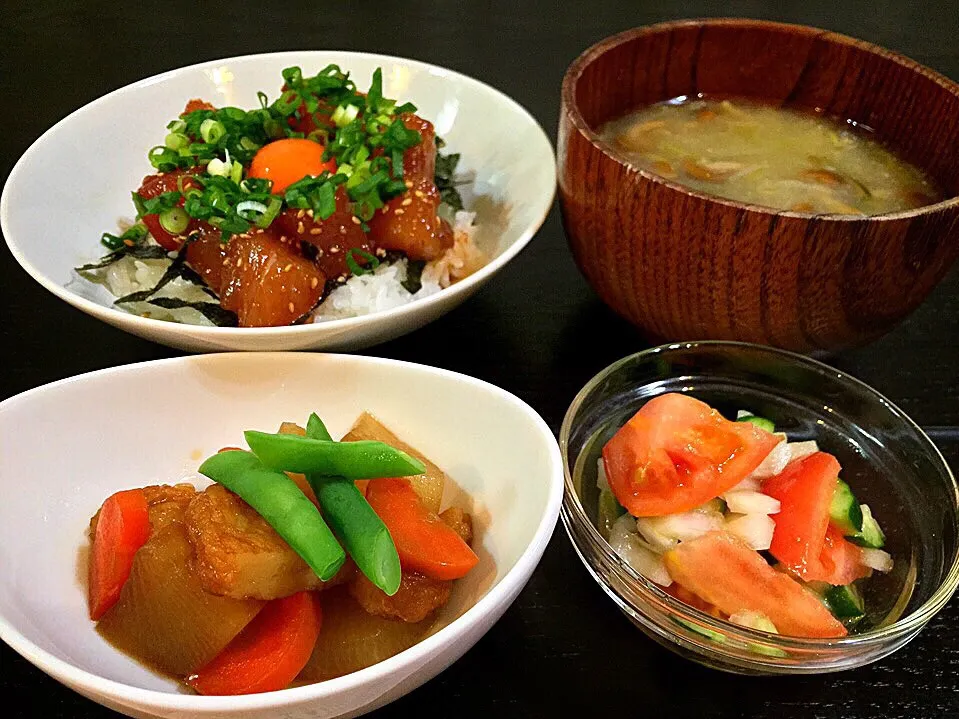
288,161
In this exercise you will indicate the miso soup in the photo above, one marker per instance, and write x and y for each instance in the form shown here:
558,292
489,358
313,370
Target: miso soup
778,157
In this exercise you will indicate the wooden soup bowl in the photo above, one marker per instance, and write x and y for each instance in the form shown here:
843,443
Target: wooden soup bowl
683,265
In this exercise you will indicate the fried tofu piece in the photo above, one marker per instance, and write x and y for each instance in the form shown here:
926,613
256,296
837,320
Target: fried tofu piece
460,522
177,495
239,555
418,597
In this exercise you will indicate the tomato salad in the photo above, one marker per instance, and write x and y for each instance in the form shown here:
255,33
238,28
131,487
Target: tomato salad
253,217
269,576
734,519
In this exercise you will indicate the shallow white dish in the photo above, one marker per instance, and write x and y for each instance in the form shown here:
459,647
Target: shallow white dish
66,446
105,143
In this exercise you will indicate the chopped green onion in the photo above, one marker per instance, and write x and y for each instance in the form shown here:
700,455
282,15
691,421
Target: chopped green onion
175,220
163,158
176,126
247,144
236,173
355,267
344,115
218,168
212,131
272,210
177,141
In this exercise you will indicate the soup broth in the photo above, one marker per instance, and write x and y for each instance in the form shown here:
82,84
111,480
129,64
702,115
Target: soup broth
777,157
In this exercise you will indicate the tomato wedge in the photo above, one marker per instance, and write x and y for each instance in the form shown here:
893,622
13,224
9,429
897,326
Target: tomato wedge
677,453
123,526
840,561
804,490
722,570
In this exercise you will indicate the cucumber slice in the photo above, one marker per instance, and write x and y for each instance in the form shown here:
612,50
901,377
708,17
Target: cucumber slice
845,602
871,535
702,631
761,422
609,511
844,511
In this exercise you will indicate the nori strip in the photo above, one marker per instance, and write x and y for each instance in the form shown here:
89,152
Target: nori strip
211,310
414,273
443,176
152,252
177,268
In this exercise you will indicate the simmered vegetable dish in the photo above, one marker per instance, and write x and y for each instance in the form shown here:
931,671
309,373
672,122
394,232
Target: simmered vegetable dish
307,559
734,519
779,157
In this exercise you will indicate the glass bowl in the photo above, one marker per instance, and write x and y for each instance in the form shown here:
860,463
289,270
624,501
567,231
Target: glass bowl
887,459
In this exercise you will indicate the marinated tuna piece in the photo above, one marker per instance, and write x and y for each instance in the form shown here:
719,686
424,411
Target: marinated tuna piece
196,104
418,597
408,223
269,283
239,555
154,186
206,254
332,237
419,162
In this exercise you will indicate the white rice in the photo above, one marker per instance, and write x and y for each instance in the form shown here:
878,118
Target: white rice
383,288
378,291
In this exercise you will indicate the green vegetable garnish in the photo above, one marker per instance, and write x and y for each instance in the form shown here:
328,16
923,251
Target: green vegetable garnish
366,538
282,504
355,267
353,460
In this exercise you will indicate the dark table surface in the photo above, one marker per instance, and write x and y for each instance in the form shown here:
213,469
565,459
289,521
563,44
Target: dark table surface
536,329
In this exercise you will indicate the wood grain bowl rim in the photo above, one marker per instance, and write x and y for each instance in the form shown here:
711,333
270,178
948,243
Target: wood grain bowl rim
570,108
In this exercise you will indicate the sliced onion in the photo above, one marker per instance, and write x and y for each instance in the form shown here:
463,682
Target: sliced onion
747,502
775,462
753,620
658,541
877,559
627,544
801,450
685,526
754,529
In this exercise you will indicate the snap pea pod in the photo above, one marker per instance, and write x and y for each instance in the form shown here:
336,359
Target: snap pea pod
353,460
366,538
282,504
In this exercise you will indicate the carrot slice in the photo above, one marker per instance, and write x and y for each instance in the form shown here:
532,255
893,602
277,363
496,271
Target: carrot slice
425,543
122,528
270,651
721,569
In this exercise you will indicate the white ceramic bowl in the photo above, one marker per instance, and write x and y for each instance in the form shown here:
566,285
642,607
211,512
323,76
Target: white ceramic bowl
106,143
66,446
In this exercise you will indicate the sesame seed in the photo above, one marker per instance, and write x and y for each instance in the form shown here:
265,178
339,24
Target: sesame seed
283,239
385,210
398,210
291,307
316,231
288,267
300,228
299,215
319,253
226,261
128,243
239,262
407,202
420,194
342,230
334,249
356,220
310,213
314,282
409,184
380,252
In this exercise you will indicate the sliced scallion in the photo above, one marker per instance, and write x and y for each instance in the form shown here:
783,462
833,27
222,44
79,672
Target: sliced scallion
175,220
355,267
212,131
